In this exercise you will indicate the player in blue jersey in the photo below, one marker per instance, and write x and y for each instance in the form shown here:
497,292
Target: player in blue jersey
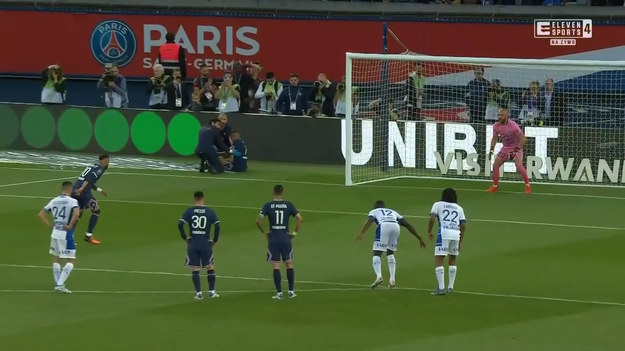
386,239
278,212
65,213
239,153
199,244
83,192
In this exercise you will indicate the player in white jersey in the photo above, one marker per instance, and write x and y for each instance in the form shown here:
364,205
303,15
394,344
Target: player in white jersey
451,228
386,238
65,213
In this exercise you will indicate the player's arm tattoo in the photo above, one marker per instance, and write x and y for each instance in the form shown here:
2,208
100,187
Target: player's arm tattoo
493,142
404,223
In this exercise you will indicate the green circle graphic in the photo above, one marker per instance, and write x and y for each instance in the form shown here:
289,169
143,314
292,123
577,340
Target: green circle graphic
38,127
10,126
182,133
148,132
75,129
111,130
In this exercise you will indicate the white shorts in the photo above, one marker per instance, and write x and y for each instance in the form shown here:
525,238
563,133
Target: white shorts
386,237
63,248
446,247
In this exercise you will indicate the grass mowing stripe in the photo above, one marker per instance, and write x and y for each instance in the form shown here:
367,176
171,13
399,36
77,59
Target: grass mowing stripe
535,193
544,224
164,292
356,287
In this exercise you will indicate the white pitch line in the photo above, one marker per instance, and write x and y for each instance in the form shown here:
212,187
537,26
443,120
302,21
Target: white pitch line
543,224
218,178
32,182
165,292
355,287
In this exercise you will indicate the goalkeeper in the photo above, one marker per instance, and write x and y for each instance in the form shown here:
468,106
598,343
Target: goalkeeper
513,141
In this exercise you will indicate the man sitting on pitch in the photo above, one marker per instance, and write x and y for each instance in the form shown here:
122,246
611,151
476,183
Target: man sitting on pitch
513,142
386,238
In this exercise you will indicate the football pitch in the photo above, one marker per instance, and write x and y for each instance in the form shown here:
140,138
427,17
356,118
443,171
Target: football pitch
537,272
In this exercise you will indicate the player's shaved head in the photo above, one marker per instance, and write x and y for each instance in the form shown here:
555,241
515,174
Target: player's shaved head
198,195
278,190
379,204
449,195
103,157
66,184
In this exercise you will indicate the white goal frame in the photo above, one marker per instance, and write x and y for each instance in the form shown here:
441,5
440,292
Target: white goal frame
350,57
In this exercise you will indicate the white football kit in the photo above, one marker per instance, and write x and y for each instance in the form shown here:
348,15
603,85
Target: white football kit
387,233
450,216
62,243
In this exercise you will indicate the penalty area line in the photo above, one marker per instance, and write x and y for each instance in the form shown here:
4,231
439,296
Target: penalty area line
346,287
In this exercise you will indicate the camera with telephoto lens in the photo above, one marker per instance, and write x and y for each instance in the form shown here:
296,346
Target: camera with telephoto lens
318,84
107,77
341,86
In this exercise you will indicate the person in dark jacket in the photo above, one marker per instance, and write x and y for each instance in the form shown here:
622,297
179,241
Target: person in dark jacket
477,92
292,102
208,145
552,105
322,94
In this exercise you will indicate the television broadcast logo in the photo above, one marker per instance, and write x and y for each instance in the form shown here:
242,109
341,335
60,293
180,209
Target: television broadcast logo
563,32
113,41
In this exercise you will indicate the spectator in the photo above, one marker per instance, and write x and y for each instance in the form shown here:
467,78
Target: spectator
415,85
322,94
497,98
176,98
552,105
228,94
171,56
238,160
268,92
113,86
205,86
254,70
195,105
53,91
244,81
476,95
226,129
208,146
157,88
340,104
291,102
529,102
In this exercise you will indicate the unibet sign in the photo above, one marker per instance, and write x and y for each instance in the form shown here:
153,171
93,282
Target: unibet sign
460,153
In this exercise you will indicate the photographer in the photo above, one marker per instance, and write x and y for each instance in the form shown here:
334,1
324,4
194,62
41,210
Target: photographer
415,85
497,99
322,95
157,88
340,99
53,91
268,92
176,98
228,95
206,89
113,86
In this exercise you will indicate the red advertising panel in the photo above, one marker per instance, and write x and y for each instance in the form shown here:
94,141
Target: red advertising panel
82,42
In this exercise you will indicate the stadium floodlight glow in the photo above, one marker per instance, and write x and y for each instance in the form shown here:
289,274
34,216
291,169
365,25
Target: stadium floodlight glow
575,132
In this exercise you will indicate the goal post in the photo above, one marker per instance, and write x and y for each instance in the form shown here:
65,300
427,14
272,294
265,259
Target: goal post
433,117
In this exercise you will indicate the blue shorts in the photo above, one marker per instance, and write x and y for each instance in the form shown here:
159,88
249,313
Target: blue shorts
199,258
87,201
280,250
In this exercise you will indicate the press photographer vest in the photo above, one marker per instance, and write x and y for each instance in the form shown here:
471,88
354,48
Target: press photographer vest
158,96
271,88
169,53
417,81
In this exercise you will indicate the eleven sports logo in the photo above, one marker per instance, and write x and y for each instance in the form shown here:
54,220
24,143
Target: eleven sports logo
113,41
563,32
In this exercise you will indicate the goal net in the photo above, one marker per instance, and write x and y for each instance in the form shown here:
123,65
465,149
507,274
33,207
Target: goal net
428,116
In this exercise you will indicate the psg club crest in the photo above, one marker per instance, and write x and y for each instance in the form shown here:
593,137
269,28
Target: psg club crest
113,41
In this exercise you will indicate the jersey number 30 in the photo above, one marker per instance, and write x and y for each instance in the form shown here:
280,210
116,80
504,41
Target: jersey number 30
199,222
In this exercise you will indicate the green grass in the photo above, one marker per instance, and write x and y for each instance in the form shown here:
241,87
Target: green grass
539,272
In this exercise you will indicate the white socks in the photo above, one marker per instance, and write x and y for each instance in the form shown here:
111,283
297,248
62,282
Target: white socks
391,266
440,277
56,271
65,273
452,276
377,266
